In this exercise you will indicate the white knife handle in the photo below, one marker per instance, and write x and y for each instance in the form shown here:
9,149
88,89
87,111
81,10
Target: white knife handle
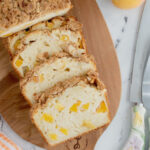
137,136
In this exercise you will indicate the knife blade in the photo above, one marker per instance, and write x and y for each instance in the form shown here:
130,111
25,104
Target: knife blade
141,53
137,136
146,98
146,86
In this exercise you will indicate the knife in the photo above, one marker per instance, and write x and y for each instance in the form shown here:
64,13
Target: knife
137,136
146,85
149,127
146,91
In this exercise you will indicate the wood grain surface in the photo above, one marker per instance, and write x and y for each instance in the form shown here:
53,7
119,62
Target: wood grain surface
15,109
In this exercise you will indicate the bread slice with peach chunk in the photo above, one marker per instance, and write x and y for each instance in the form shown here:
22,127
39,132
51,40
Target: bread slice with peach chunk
40,45
71,109
66,22
57,68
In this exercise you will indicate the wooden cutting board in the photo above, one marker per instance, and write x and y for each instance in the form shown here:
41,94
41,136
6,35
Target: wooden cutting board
15,109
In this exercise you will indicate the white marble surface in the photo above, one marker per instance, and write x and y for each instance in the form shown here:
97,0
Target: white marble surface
123,26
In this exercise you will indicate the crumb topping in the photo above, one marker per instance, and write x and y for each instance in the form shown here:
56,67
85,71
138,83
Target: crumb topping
13,12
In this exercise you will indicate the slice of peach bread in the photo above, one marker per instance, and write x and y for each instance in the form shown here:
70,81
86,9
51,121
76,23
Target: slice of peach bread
12,43
57,68
71,109
42,44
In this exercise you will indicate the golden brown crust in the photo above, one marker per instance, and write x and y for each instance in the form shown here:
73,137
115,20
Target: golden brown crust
90,78
13,13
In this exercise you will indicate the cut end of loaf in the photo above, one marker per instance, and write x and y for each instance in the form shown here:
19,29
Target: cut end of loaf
23,15
67,23
79,108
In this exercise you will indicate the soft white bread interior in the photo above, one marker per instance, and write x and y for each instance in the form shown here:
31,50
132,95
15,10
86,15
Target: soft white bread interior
53,71
68,23
72,108
41,44
65,22
18,15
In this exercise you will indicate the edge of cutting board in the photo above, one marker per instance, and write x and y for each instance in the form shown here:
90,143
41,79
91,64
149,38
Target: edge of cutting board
14,108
